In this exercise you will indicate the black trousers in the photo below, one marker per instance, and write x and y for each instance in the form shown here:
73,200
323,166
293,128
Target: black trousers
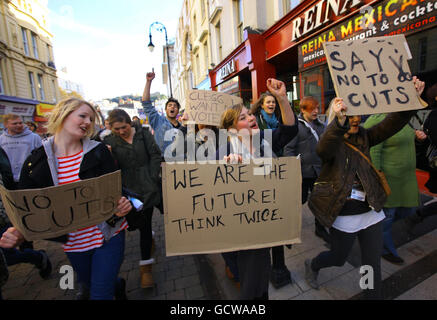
146,235
371,243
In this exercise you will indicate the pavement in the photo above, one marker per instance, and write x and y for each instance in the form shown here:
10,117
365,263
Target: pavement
202,277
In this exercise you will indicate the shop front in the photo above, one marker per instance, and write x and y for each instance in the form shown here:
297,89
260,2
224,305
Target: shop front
22,107
41,112
292,49
415,19
245,71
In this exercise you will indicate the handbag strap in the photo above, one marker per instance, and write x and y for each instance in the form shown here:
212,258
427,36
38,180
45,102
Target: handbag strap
361,153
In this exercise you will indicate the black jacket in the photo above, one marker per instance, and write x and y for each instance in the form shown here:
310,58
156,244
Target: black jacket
36,173
304,144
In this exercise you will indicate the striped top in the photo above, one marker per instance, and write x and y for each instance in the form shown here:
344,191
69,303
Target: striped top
84,239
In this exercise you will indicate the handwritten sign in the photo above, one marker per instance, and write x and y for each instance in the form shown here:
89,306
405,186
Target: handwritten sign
212,208
206,107
372,75
55,211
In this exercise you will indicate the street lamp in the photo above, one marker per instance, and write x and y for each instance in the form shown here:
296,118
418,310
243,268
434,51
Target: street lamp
158,26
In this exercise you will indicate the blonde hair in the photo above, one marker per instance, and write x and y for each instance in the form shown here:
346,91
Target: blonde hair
230,117
63,109
10,116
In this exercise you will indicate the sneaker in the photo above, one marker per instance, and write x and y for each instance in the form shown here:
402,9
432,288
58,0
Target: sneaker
46,266
120,289
393,259
311,275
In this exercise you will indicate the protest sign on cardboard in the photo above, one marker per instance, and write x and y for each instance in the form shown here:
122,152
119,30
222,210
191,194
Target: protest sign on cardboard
212,208
372,75
206,107
51,212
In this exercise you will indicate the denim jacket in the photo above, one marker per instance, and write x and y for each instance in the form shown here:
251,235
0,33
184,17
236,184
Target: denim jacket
160,124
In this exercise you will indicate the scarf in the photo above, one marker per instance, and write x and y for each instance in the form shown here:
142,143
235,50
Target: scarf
271,121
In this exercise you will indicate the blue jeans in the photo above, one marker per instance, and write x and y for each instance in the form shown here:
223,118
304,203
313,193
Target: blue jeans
97,269
392,215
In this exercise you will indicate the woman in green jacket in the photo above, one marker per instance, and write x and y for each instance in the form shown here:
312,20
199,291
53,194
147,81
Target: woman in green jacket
396,157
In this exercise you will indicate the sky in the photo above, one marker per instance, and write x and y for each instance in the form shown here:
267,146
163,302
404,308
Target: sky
103,43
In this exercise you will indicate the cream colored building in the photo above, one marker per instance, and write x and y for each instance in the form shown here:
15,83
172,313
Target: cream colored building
209,30
28,74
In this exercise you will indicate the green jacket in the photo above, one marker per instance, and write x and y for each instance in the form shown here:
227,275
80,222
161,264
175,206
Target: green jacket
140,164
396,157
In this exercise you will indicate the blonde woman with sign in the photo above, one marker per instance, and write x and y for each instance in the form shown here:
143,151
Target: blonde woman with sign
96,252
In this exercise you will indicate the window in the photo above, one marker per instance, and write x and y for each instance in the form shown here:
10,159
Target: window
423,44
239,19
291,4
41,87
197,71
206,55
49,53
25,42
32,85
218,34
54,91
202,8
34,45
2,88
194,26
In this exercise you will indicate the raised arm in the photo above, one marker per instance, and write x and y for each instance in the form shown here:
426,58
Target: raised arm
149,78
277,88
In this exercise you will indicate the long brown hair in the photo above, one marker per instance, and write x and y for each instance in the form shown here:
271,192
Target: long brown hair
257,106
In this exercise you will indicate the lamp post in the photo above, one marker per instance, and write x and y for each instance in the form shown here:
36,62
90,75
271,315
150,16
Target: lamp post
158,26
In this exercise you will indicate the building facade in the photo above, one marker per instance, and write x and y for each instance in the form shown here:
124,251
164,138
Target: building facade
28,81
210,30
291,49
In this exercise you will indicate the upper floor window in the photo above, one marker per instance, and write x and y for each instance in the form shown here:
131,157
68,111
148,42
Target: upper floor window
239,14
218,34
25,41
32,85
2,88
195,26
41,87
34,45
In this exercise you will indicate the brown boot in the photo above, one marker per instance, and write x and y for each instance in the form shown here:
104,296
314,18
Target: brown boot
146,276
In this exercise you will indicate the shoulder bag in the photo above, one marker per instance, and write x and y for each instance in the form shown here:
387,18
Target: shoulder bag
381,175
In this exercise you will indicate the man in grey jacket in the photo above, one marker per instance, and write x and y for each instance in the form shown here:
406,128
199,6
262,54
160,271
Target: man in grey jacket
304,144
18,142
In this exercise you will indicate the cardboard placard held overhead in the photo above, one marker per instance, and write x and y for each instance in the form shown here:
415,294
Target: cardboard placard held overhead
206,107
372,75
55,211
212,208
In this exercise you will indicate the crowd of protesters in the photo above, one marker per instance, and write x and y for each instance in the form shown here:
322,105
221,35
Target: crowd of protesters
340,181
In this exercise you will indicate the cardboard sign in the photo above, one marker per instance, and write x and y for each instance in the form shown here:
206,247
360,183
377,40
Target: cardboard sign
372,75
206,107
212,208
55,211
